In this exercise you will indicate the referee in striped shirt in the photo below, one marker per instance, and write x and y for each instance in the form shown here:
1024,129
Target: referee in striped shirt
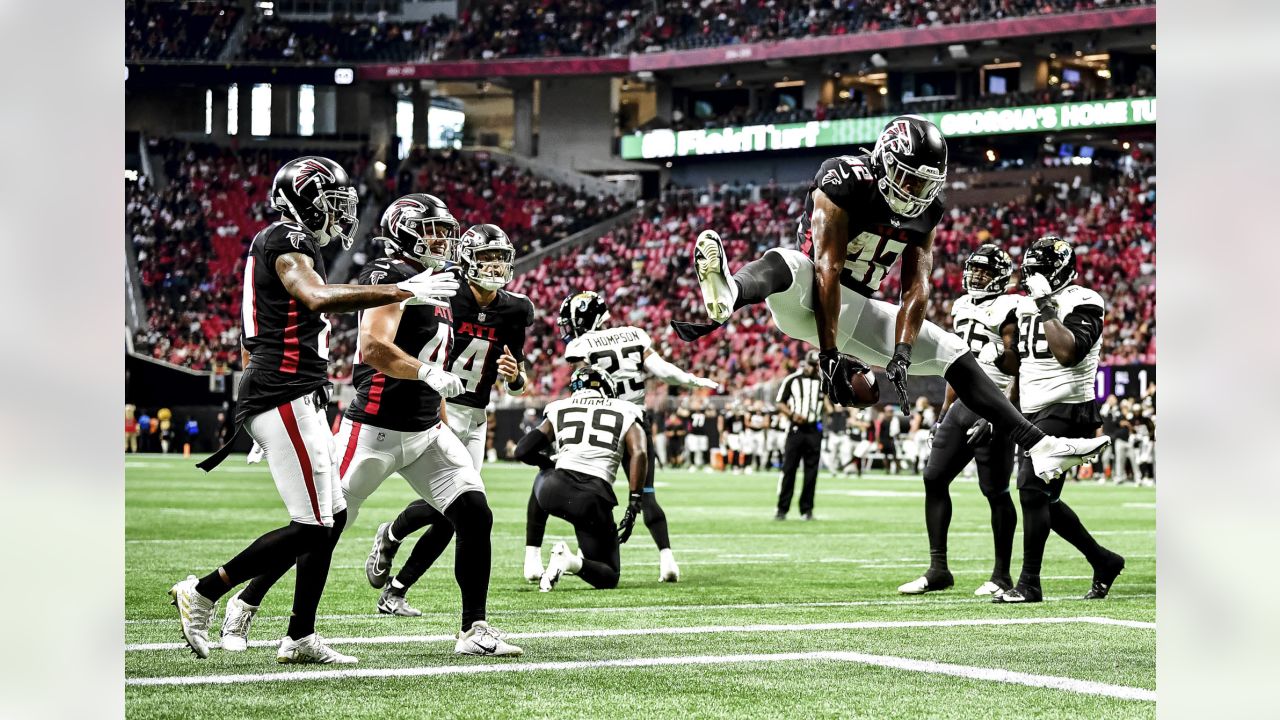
800,399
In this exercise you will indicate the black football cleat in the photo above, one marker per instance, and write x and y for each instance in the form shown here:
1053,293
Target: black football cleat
1020,594
1104,577
689,332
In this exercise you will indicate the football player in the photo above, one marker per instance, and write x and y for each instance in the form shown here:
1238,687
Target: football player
626,353
961,436
1053,341
863,212
591,431
699,438
394,423
490,324
776,439
757,425
281,398
733,426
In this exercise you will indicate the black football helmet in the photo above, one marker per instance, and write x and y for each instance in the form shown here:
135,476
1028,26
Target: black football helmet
1052,257
987,272
317,193
581,313
910,158
421,228
590,377
486,256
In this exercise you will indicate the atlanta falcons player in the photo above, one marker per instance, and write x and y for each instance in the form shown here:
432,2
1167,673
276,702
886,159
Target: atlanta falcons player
962,436
394,424
1057,330
490,325
626,353
282,395
862,212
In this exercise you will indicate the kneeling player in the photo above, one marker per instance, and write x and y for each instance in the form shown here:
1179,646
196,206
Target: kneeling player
962,436
590,431
1059,336
490,323
861,213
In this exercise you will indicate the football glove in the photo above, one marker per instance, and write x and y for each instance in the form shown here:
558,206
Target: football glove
1040,290
837,371
896,371
978,432
988,354
429,288
442,381
706,383
629,518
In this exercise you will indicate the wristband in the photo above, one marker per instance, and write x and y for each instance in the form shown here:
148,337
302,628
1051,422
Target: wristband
424,370
517,384
902,350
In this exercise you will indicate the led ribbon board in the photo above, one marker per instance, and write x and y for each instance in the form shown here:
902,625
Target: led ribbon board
661,144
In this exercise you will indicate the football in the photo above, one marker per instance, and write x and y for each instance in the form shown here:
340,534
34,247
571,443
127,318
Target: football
865,388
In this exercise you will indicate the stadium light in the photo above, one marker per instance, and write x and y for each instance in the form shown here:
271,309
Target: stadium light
879,60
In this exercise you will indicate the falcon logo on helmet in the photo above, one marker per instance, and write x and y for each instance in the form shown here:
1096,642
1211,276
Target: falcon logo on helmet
316,193
420,228
897,136
311,171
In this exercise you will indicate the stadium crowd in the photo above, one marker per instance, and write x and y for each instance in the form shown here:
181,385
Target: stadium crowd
169,30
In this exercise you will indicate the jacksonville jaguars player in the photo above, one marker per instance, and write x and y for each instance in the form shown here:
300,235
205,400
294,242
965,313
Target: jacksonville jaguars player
961,436
863,212
626,353
589,433
490,324
1054,339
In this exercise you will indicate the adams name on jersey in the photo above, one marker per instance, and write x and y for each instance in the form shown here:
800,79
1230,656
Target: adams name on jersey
479,336
425,332
618,351
1043,381
589,433
877,236
978,323
288,344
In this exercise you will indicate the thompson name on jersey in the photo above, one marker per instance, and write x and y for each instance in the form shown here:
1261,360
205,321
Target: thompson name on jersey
618,351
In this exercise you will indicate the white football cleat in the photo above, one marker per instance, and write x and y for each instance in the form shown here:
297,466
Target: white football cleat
377,567
311,649
394,603
1053,456
921,585
988,588
484,640
562,561
196,613
235,624
718,289
668,570
533,563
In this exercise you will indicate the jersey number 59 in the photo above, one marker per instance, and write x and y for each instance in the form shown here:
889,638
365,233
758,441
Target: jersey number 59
606,426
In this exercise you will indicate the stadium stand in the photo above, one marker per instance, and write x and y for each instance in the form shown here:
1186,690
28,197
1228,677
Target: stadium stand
166,30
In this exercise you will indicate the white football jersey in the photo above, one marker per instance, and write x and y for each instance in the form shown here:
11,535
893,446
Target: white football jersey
589,432
618,351
978,324
1043,381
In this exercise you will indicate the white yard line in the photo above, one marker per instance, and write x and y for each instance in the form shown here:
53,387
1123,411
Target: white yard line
649,609
694,630
1084,687
762,537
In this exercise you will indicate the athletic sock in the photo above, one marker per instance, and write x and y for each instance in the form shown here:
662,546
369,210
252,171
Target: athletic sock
425,551
313,573
1067,524
257,588
1004,524
1036,524
535,524
413,518
981,395
473,523
263,555
937,519
655,519
761,278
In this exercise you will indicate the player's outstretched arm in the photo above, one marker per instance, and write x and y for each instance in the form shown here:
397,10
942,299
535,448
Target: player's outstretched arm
529,449
830,226
668,373
298,275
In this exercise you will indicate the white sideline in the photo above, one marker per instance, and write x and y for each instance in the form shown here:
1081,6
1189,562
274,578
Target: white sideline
661,608
694,630
1085,687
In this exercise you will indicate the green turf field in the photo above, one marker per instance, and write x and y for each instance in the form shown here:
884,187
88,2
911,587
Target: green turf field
770,619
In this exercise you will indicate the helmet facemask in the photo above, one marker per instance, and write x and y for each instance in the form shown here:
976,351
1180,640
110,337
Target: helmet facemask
431,240
983,282
489,266
338,207
908,191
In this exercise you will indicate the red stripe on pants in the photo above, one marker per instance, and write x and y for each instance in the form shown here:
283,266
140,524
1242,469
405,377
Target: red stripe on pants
292,352
351,449
304,459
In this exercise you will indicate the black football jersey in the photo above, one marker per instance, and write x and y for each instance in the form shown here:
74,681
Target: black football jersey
288,344
736,422
425,332
479,336
698,423
776,421
877,236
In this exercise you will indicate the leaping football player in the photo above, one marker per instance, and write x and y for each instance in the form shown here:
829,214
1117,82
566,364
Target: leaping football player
1053,340
862,213
394,424
490,324
961,436
282,396
626,353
